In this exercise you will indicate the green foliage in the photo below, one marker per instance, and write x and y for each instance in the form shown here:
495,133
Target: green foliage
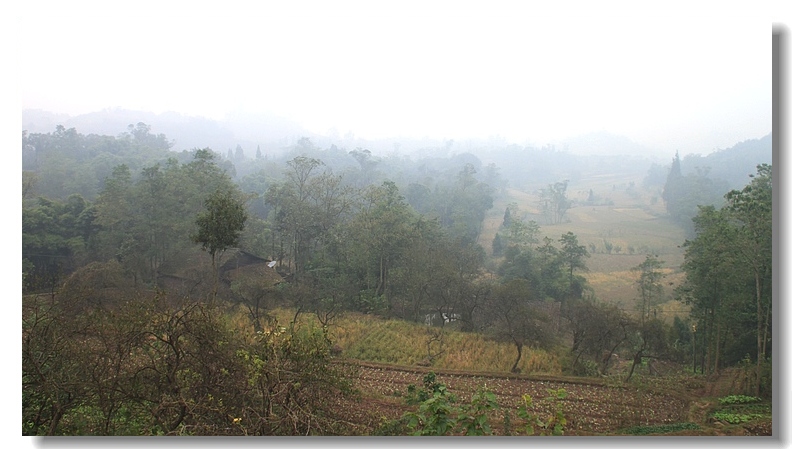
145,220
291,383
435,416
550,271
439,413
728,268
519,309
683,194
747,377
649,283
738,409
474,419
738,399
305,214
221,223
544,424
497,246
55,237
554,202
68,162
661,429
430,387
572,254
586,368
461,202
735,418
521,234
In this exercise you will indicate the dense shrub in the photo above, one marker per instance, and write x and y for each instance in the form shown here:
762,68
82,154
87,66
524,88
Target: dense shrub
159,365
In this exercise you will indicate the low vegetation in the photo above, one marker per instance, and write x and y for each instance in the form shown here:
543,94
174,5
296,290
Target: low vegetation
440,413
661,429
737,409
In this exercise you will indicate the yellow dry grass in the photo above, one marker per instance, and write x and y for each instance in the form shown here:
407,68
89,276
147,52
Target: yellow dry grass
632,224
374,339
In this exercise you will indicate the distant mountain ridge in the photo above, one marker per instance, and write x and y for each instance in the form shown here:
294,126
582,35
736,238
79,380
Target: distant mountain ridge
734,164
273,134
187,132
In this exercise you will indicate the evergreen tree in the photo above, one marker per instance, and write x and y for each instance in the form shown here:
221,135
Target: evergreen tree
497,245
671,189
507,218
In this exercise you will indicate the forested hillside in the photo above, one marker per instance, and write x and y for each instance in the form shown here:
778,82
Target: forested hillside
151,277
697,180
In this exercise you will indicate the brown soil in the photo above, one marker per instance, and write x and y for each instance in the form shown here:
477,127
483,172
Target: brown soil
591,407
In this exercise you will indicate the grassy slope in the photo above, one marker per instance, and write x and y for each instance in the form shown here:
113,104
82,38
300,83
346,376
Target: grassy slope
374,339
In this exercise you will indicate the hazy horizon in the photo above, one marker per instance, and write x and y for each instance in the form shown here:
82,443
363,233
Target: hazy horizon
668,83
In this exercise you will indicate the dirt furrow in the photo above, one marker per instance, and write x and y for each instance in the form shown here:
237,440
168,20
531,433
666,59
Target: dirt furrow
590,408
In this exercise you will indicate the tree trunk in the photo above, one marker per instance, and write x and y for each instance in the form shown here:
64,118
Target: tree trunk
57,414
216,277
717,347
694,349
519,345
636,361
256,316
710,337
577,358
383,268
609,356
758,331
766,330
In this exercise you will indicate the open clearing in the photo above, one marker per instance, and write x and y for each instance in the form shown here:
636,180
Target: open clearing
631,224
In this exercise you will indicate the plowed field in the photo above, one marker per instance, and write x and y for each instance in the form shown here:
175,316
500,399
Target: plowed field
591,408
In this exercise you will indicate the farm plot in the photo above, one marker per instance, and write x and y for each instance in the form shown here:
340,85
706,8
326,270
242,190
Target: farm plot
590,408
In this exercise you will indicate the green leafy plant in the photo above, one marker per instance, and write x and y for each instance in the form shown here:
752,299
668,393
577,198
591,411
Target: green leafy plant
738,409
663,428
474,417
552,424
438,413
738,399
735,418
435,416
430,387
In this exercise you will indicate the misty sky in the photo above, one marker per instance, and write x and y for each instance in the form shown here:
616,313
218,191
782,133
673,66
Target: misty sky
691,83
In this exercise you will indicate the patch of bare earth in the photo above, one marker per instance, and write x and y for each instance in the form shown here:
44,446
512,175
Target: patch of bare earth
591,407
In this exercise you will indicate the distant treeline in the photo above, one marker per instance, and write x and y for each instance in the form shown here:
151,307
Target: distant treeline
697,180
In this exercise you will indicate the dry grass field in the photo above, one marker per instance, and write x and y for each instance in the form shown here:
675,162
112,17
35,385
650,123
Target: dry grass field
631,219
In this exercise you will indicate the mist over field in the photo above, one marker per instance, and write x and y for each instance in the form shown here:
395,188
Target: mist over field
308,220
